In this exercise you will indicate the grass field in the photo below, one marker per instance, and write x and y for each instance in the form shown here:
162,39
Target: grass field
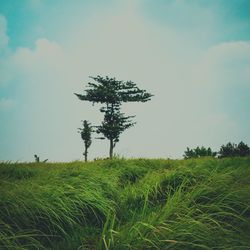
126,204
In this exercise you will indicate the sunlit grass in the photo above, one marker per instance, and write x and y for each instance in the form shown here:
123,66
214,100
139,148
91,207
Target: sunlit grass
126,204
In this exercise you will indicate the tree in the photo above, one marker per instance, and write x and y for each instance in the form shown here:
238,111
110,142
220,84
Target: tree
112,126
243,149
111,93
198,152
228,150
86,136
189,153
232,150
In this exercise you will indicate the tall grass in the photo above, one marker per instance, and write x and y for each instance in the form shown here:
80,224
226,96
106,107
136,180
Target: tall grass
126,204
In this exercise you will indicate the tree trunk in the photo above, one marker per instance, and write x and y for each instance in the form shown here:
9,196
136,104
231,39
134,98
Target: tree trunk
85,155
111,148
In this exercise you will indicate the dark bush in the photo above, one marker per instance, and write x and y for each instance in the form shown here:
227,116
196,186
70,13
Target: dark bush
233,150
198,152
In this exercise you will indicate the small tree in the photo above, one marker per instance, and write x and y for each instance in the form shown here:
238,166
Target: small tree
112,126
112,93
228,150
198,152
189,153
243,149
232,150
86,136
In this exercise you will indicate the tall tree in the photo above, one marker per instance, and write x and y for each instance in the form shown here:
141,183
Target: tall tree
86,136
111,93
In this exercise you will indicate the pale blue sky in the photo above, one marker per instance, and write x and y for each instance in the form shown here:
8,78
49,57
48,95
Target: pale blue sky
194,56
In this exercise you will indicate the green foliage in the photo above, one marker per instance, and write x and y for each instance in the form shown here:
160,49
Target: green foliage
198,152
112,93
86,136
126,204
86,133
233,150
114,124
228,150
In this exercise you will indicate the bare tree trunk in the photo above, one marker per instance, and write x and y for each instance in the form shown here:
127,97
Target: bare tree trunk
111,148
85,155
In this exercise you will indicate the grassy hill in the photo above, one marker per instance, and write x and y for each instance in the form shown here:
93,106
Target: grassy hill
126,204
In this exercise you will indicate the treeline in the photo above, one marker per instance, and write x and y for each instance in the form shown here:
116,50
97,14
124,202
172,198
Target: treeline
228,150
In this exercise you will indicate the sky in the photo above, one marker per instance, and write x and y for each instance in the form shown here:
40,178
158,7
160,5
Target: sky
193,56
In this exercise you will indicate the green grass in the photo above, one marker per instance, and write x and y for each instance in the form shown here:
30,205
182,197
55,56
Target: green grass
126,204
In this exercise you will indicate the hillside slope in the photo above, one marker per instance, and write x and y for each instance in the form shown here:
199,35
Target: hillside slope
126,204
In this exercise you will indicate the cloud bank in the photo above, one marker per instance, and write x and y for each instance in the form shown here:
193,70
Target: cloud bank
201,92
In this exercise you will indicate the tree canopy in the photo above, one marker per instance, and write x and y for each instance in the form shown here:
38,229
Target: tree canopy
111,91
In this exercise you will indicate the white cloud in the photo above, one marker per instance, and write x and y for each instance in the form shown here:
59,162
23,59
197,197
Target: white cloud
123,44
46,55
230,55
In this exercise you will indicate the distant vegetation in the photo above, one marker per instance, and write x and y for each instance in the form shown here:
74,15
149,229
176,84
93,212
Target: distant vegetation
122,204
37,159
234,150
228,150
198,152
